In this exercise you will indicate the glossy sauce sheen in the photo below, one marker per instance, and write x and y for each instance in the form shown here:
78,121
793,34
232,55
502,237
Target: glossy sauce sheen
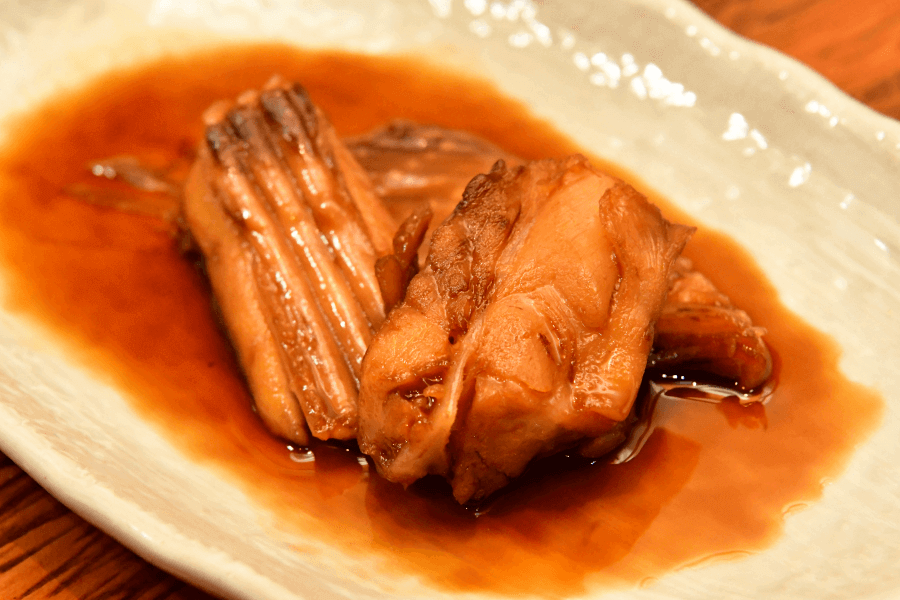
713,480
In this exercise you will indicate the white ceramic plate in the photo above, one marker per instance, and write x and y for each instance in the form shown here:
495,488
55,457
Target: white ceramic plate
748,141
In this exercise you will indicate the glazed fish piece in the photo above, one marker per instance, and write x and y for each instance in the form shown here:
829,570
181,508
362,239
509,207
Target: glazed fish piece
411,165
526,333
701,330
290,229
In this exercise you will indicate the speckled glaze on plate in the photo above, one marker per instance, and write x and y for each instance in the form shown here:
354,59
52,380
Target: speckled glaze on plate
746,140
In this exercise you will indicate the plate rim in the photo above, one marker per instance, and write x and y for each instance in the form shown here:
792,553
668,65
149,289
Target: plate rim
59,476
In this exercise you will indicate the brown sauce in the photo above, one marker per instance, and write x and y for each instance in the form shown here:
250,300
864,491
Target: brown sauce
713,480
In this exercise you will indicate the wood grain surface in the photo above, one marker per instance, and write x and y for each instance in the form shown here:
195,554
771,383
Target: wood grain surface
855,44
46,551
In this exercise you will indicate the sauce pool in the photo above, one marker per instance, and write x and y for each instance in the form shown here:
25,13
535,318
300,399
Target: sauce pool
713,480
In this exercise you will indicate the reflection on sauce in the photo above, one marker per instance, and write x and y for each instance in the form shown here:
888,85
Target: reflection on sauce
712,481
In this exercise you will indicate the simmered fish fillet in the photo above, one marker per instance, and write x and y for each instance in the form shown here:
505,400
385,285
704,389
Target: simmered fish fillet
413,165
409,163
700,329
290,229
527,331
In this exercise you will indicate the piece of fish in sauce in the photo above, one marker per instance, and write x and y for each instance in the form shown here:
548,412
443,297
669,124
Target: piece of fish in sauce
290,229
526,333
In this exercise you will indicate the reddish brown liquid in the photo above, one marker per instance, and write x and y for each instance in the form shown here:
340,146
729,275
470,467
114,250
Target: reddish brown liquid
713,480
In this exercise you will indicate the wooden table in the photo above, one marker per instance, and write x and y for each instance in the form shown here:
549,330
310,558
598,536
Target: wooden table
46,551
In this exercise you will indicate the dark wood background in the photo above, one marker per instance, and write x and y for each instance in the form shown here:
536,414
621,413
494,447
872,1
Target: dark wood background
46,551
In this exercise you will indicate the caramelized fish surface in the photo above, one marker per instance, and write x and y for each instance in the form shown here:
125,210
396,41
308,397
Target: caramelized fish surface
527,332
290,230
